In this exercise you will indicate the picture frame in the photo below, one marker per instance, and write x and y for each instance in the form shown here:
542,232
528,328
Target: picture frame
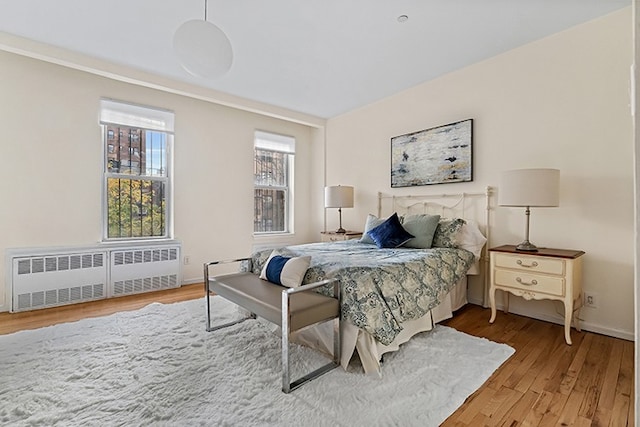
439,155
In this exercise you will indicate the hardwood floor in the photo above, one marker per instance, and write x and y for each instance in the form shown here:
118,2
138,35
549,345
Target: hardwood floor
545,383
13,322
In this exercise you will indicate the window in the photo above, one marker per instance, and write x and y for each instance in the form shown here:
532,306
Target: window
273,174
137,174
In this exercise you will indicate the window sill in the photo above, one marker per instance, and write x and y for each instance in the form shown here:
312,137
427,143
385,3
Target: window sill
139,242
283,234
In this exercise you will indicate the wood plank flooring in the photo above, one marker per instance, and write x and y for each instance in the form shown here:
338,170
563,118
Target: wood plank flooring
545,383
13,322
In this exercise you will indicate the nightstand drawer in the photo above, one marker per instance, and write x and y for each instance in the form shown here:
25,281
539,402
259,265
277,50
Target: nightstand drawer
536,264
530,282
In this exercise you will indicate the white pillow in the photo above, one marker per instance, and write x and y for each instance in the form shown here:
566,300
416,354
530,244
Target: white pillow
285,271
372,222
471,238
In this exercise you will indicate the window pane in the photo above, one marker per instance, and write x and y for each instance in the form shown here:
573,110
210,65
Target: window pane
136,208
156,154
134,151
270,168
270,210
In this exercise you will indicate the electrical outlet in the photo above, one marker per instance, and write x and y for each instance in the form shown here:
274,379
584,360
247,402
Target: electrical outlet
186,260
590,300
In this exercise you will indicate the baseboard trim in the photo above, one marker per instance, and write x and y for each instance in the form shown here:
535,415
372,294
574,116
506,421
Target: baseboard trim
587,326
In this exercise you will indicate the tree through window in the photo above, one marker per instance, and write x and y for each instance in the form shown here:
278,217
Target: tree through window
137,144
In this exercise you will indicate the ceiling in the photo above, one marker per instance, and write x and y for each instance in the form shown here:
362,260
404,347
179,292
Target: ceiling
318,57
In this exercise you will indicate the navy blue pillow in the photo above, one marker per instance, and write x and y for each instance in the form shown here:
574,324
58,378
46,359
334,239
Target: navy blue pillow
390,234
274,268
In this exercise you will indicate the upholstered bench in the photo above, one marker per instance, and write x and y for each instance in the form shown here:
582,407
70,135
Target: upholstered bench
290,308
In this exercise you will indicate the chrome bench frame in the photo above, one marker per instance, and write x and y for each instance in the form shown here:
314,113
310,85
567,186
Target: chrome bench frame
287,295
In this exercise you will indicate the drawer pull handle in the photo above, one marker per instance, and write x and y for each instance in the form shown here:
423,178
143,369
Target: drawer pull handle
533,282
533,264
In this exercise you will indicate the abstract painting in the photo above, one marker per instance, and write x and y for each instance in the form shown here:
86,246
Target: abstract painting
439,155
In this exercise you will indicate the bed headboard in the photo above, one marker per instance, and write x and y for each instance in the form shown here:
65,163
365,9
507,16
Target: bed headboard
469,206
474,207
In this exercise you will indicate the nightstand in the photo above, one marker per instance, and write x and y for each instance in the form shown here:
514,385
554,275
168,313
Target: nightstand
332,236
552,274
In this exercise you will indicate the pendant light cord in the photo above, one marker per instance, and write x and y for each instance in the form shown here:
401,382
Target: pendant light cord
205,9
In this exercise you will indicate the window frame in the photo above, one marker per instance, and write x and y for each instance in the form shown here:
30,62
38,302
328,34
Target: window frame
167,179
283,144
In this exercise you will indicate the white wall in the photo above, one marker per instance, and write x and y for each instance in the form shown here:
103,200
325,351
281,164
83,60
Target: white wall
51,146
561,102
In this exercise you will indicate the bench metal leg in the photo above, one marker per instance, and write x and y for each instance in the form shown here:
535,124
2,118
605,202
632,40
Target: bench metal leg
225,325
207,292
287,385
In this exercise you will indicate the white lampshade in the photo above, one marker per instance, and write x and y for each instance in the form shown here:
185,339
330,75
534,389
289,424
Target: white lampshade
530,187
338,196
203,49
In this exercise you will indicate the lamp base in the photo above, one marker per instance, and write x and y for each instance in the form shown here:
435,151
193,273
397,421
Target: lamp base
340,229
527,246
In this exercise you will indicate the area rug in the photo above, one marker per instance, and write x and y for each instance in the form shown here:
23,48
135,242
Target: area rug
158,366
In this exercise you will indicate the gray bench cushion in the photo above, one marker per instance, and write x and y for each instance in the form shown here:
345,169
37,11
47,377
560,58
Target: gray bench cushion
265,299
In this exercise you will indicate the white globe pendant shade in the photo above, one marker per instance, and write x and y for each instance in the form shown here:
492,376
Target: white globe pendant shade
203,49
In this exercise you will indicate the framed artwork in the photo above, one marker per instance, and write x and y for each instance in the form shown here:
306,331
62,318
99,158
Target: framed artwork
439,155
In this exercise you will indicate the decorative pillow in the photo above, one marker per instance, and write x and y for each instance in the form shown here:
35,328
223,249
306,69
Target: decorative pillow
423,227
372,222
285,271
447,233
390,233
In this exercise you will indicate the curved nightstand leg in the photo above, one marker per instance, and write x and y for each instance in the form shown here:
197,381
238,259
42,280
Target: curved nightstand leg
492,303
576,319
568,312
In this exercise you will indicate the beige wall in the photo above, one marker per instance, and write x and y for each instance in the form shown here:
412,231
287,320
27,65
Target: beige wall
51,146
561,102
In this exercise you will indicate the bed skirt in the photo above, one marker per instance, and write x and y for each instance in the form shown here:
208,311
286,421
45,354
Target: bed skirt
320,337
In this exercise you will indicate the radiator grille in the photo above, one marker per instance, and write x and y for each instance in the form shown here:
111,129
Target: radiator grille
135,286
146,255
52,279
59,263
61,296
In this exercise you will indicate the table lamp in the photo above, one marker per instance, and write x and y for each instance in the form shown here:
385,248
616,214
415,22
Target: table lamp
529,188
338,196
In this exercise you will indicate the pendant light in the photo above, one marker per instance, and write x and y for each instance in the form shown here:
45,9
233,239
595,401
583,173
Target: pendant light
203,48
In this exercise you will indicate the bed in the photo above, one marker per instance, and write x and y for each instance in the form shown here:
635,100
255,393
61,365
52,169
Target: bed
391,294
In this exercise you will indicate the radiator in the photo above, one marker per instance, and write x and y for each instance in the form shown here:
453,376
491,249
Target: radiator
59,277
142,270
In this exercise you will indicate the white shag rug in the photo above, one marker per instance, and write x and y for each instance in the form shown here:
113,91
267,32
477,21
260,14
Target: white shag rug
158,366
